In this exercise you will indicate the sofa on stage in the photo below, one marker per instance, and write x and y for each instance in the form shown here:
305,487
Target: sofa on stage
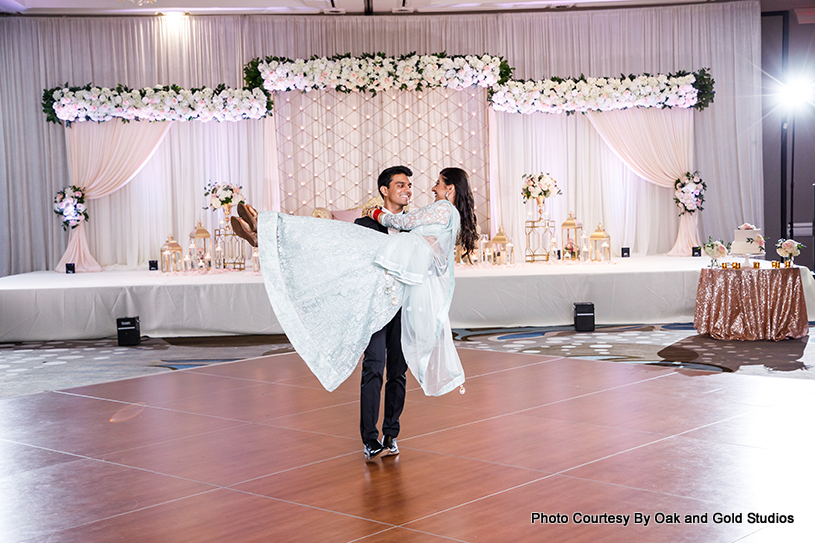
48,306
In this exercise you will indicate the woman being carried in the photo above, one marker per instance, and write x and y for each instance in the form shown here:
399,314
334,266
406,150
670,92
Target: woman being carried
333,284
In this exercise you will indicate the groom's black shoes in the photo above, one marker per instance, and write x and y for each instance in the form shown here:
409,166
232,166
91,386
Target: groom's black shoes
391,448
373,448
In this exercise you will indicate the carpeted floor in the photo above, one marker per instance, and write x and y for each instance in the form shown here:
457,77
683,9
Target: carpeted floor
29,368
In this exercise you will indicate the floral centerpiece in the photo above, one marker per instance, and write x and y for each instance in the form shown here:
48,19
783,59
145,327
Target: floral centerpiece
69,204
788,248
223,196
539,186
715,249
689,193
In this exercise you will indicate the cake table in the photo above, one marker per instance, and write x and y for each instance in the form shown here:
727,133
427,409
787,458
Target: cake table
751,304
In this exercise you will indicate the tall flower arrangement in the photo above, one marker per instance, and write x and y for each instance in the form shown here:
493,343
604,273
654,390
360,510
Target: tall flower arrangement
539,184
223,194
689,193
69,204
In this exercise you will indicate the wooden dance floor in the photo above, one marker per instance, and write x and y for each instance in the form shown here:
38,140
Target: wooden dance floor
538,449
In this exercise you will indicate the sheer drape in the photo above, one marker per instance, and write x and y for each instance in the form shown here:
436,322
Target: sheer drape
166,197
597,186
658,146
102,158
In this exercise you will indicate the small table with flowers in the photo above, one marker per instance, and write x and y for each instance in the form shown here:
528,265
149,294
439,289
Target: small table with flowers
751,304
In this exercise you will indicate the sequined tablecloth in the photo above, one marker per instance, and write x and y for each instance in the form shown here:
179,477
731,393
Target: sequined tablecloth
750,304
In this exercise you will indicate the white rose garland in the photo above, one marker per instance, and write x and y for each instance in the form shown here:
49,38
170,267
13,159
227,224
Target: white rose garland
100,104
599,94
377,73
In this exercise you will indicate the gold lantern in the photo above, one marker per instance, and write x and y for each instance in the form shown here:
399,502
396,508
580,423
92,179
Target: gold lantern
571,234
499,247
600,245
171,255
200,245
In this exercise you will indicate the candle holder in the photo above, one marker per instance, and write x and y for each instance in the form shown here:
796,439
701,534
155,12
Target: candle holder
736,265
776,264
499,247
600,245
571,234
171,256
199,240
756,265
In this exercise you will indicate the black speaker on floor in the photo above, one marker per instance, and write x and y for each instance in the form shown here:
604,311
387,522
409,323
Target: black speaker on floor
70,267
696,251
625,252
584,317
129,331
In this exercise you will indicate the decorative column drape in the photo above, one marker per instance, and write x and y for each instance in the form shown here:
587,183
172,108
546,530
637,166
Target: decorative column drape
102,158
657,144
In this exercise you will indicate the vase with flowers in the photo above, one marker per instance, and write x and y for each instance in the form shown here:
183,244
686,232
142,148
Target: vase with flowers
539,186
715,249
223,196
788,249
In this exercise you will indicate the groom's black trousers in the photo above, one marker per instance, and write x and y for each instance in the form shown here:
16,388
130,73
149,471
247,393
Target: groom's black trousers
377,357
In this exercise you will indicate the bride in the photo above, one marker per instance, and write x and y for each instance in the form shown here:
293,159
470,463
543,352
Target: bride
333,284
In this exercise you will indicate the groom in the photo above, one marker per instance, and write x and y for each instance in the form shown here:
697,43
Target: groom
385,348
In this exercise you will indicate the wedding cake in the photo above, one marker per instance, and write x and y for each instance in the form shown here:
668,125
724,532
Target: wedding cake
747,241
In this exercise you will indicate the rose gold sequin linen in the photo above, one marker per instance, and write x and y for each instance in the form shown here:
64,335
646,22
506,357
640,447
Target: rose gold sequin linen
750,304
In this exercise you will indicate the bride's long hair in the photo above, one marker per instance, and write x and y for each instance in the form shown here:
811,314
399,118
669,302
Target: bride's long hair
467,236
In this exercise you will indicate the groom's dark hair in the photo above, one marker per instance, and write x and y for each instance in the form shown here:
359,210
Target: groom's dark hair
388,173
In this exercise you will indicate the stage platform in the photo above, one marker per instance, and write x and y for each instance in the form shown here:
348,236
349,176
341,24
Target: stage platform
46,305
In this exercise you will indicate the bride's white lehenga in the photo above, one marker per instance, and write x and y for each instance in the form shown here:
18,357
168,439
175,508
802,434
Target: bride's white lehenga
333,284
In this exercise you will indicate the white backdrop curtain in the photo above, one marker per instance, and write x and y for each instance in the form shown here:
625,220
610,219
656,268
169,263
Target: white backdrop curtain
658,146
597,186
42,52
102,158
167,195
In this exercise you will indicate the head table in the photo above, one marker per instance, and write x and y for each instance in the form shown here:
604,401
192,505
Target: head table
751,304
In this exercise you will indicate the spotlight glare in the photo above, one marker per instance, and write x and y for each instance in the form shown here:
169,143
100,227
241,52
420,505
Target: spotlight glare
797,92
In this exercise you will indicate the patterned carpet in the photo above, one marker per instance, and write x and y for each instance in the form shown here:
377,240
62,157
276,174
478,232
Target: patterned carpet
32,367
666,345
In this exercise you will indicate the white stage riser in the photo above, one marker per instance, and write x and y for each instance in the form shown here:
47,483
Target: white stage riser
49,306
